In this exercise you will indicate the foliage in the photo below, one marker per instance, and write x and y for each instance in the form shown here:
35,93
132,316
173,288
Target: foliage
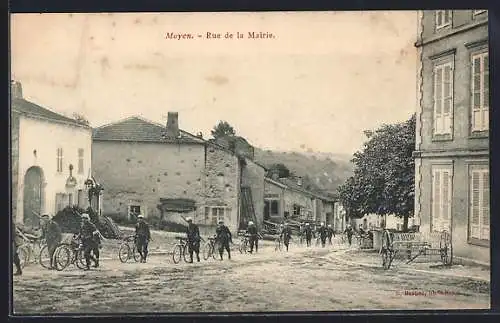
223,128
81,119
384,173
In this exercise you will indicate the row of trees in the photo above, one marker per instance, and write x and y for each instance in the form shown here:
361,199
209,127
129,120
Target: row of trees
384,174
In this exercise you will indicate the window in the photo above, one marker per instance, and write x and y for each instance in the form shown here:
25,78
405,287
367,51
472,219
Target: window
215,214
441,199
480,92
274,207
479,203
296,209
59,160
134,210
80,161
443,18
443,99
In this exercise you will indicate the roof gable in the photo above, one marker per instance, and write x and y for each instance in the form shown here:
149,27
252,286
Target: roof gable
31,109
138,129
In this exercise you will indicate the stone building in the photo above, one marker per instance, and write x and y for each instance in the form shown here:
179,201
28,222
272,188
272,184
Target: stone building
452,188
50,160
166,172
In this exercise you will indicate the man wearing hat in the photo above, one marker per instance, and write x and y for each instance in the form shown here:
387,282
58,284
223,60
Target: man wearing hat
193,237
254,236
88,234
349,231
308,233
15,254
223,237
286,235
323,233
52,234
142,235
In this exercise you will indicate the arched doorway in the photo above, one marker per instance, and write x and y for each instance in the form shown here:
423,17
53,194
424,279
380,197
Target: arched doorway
33,196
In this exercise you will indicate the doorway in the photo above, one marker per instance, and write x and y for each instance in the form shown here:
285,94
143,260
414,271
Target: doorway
33,196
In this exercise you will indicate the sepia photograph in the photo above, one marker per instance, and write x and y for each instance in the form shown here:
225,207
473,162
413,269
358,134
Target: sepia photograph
207,162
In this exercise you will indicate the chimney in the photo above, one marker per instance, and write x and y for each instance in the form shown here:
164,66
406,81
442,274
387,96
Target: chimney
299,181
173,125
16,90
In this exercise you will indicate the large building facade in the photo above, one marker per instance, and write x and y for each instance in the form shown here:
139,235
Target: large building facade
452,188
50,160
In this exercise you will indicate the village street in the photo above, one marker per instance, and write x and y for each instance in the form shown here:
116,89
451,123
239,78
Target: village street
315,279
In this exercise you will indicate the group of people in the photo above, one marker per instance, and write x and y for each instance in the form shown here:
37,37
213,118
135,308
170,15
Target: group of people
88,236
324,233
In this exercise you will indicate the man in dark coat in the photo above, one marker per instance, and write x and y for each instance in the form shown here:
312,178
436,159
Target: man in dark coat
52,234
254,236
331,233
142,237
17,261
223,238
286,235
308,233
89,237
349,232
193,237
323,234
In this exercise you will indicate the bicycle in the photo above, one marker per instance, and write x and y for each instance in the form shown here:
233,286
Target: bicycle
278,244
69,253
29,251
180,250
209,248
244,246
128,250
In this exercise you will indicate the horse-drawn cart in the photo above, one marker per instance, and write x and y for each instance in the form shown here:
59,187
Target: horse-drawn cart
410,246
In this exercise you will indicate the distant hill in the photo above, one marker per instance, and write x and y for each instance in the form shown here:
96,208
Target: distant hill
323,171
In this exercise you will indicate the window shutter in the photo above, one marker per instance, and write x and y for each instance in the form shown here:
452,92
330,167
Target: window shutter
446,201
474,205
485,212
486,93
447,98
438,100
436,202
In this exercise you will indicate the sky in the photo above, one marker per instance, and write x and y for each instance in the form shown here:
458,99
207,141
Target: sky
322,79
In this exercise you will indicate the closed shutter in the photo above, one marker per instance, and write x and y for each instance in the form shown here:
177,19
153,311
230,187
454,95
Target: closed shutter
438,100
474,205
436,201
446,201
485,216
447,99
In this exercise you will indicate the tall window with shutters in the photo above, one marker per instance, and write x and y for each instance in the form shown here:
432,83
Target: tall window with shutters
479,203
480,92
443,99
441,198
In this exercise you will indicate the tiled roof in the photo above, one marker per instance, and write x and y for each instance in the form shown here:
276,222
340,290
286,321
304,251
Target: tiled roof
292,184
34,110
137,129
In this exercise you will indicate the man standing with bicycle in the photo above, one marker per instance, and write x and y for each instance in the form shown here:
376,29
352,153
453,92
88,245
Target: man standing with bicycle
193,237
142,236
331,233
254,236
17,261
88,234
52,234
223,237
308,233
323,233
286,235
349,232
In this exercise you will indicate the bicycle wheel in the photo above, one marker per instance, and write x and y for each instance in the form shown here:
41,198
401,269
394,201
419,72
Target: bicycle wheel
79,255
177,254
62,257
185,253
214,249
44,257
207,251
135,253
124,253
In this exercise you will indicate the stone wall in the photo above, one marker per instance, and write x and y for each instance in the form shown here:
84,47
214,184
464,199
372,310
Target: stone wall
142,173
222,182
253,177
293,197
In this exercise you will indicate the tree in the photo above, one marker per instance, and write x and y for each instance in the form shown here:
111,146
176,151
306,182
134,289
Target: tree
81,118
223,128
384,174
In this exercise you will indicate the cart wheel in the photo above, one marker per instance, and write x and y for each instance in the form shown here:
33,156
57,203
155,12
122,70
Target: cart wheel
445,248
124,253
177,254
62,257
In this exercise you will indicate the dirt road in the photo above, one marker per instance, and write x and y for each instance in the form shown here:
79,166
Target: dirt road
303,279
